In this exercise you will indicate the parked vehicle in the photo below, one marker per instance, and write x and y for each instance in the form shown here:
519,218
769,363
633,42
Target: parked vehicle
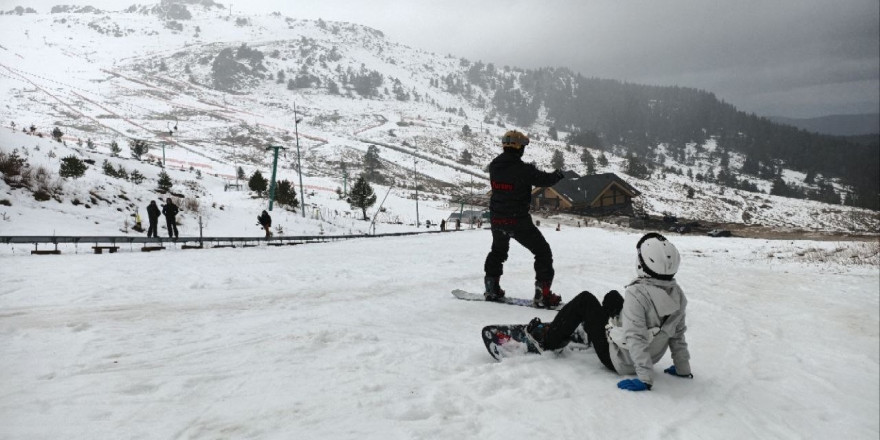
719,233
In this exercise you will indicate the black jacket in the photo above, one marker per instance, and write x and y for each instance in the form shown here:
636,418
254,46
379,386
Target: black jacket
153,211
512,183
265,219
170,210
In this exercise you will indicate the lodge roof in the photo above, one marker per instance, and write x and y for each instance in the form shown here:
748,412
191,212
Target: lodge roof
585,189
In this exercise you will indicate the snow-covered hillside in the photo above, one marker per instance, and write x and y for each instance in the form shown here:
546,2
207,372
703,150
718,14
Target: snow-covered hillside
297,342
211,92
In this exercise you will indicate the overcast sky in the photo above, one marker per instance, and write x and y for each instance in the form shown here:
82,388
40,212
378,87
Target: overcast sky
794,58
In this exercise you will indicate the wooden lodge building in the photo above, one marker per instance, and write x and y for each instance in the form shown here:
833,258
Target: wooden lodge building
595,194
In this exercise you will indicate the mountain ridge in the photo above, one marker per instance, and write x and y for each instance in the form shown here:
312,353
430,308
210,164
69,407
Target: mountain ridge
160,75
836,125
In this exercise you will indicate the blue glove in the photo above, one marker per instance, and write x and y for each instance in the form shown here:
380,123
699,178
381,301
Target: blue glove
671,370
633,385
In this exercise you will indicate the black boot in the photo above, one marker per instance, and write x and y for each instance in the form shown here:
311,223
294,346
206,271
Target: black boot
493,292
544,298
538,331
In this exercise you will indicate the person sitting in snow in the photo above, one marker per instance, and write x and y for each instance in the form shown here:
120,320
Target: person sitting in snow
631,333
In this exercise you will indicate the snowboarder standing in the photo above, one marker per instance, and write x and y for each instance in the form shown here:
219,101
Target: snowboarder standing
640,327
170,210
153,216
266,222
512,182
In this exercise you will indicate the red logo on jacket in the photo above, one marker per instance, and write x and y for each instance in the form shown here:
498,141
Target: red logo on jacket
501,186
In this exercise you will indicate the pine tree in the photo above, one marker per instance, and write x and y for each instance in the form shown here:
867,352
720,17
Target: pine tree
332,87
372,163
827,193
72,166
780,188
138,147
602,160
362,195
466,157
588,160
240,174
114,148
285,195
558,161
57,134
137,178
635,167
258,183
108,169
165,183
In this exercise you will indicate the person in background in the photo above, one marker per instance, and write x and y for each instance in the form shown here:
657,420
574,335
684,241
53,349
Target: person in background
170,210
630,334
266,222
137,222
153,217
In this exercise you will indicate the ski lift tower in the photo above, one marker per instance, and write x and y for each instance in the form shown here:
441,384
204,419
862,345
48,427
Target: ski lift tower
274,168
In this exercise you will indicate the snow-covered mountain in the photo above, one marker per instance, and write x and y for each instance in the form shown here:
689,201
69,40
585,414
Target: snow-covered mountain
210,92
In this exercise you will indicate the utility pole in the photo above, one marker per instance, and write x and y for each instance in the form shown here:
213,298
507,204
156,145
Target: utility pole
235,154
416,179
471,201
375,214
274,167
302,198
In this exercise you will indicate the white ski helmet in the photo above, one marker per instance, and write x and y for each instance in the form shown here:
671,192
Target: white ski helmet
658,257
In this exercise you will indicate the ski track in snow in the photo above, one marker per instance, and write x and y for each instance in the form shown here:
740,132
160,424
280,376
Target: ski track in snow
362,339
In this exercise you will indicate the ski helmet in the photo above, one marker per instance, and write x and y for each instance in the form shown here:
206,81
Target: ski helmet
514,139
658,257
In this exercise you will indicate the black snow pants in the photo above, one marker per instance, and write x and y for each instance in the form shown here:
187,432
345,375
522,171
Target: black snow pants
585,309
528,235
171,223
151,232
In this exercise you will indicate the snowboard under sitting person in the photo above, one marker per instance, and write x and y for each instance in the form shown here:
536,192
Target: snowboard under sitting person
512,183
632,333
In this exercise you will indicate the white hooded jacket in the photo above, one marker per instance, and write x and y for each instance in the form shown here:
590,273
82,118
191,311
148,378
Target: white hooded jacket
653,318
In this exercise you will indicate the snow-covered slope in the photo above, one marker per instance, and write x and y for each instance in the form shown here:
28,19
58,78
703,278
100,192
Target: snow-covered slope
267,343
215,91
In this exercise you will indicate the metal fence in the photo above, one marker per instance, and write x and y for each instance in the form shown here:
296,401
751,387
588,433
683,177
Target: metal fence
112,243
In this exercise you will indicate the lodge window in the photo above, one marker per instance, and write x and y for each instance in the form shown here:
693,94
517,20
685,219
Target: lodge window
613,197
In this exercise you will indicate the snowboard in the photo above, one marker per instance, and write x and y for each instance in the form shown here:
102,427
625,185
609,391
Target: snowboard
510,340
470,296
